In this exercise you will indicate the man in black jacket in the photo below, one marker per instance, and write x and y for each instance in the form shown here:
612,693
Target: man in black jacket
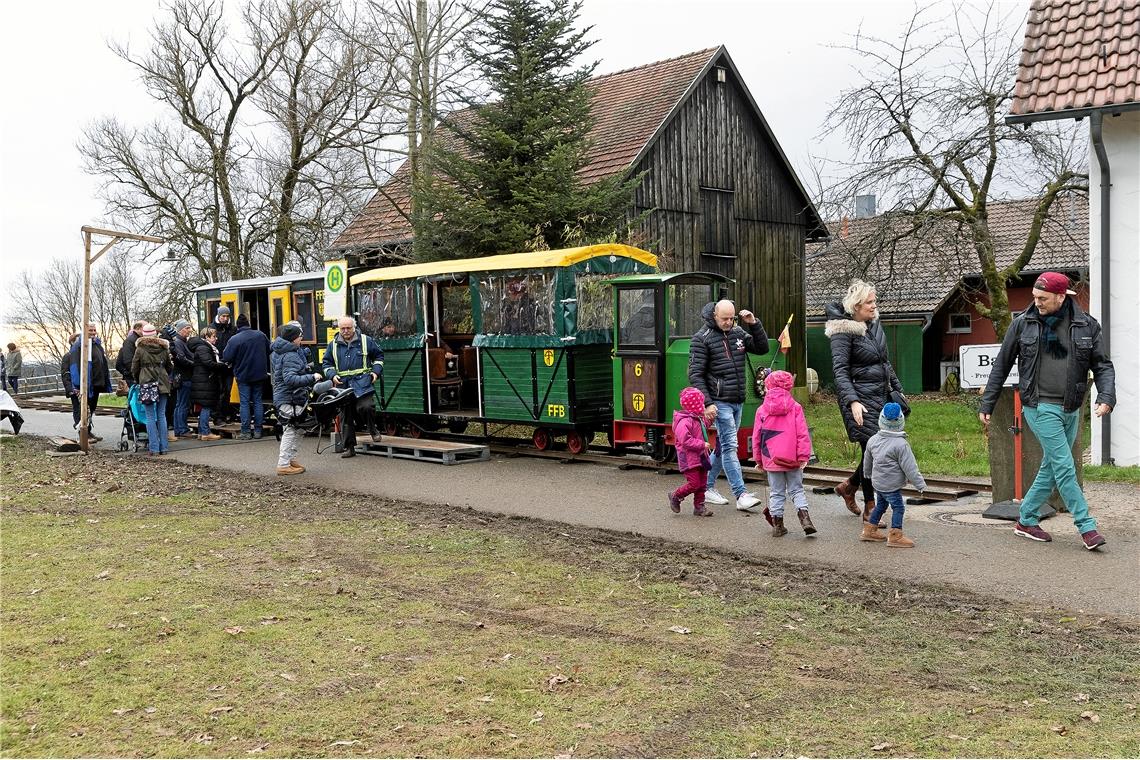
183,372
127,353
716,369
223,324
1055,344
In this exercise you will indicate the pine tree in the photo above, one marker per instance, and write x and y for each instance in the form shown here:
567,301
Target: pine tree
504,178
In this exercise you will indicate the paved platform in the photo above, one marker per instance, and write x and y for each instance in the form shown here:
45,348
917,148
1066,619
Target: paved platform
955,544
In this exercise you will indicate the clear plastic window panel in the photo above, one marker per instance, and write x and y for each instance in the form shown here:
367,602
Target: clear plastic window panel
387,311
637,316
520,304
595,301
456,315
688,300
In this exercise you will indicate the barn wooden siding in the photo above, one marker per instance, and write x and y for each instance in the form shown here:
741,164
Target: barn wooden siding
714,181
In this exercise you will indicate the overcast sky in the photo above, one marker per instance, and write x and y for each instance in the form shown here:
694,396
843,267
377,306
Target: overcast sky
58,75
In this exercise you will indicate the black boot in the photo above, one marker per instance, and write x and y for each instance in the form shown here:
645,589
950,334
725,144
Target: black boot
349,451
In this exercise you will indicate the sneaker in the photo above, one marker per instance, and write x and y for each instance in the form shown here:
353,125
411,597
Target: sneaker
712,497
746,502
244,437
674,503
258,434
1093,540
1031,531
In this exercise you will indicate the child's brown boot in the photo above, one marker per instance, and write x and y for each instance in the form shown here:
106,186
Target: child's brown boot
805,521
778,528
897,540
871,533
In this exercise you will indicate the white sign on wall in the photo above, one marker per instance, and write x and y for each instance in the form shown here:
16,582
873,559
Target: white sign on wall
976,361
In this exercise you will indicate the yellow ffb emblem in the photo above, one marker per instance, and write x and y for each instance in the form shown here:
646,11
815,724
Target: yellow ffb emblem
548,357
639,402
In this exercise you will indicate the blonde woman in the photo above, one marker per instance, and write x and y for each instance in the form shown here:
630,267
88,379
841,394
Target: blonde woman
864,379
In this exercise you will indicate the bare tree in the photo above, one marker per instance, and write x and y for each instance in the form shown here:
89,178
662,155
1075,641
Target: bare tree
329,98
437,75
257,161
927,133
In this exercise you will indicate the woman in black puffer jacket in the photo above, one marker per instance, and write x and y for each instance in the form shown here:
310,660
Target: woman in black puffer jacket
206,384
864,378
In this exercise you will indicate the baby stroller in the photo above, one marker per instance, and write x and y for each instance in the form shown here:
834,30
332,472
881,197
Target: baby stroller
134,422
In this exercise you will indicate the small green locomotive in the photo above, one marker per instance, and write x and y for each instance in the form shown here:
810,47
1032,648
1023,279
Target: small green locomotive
656,316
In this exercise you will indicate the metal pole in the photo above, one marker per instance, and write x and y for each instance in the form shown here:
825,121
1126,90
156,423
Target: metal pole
85,346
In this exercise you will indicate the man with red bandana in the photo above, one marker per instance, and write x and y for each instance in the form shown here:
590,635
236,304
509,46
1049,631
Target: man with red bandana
1055,344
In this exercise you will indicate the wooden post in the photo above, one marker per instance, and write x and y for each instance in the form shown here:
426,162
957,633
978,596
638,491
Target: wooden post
85,346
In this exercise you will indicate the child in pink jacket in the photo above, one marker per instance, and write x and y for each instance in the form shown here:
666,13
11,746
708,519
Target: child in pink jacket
691,440
781,446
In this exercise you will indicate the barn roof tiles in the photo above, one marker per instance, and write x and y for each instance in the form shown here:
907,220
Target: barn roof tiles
1078,54
915,274
628,106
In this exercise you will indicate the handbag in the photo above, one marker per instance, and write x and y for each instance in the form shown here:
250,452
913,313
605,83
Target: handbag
900,399
121,387
148,393
893,395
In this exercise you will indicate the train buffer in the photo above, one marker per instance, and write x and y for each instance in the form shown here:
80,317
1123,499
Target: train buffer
426,450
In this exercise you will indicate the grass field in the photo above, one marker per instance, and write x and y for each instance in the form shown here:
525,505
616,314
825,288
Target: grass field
153,608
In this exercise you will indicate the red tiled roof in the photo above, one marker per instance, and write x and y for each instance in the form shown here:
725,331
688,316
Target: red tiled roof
1079,54
916,273
628,107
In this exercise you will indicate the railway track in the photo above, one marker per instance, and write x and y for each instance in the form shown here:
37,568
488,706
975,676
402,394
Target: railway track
821,479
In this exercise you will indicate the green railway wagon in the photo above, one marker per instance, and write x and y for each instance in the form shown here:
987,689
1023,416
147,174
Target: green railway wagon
521,339
656,317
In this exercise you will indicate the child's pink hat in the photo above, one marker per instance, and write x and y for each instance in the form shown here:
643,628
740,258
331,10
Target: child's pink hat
779,379
693,401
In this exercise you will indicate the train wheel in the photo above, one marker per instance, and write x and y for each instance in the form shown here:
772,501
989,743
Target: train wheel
542,439
578,442
413,431
390,427
457,426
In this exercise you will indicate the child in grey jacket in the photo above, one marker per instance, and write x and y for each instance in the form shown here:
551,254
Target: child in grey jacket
889,463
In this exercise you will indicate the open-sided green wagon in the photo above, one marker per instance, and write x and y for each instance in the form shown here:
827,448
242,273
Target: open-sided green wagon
521,338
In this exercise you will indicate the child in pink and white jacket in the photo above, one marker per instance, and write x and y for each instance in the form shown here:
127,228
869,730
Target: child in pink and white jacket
781,446
691,439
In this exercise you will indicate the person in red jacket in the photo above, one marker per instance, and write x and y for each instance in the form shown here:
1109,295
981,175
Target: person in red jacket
781,446
693,449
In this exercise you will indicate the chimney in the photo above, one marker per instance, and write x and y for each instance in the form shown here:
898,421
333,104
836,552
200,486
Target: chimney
864,206
843,228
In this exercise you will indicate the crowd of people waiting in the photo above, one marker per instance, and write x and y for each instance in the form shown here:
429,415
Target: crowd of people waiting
175,371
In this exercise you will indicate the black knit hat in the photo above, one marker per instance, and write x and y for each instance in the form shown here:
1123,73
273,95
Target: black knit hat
291,331
242,321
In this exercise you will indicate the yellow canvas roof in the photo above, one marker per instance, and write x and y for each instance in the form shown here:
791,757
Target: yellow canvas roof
533,260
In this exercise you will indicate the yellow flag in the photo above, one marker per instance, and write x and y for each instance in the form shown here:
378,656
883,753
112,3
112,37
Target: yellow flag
786,335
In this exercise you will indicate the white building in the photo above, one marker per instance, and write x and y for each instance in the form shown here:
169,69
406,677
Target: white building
1080,61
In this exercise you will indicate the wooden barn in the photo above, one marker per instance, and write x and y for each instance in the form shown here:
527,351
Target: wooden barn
718,193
